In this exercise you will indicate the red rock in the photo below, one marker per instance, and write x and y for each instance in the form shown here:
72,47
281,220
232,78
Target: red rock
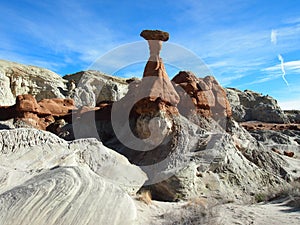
56,106
37,114
26,103
155,35
155,91
276,150
288,153
208,96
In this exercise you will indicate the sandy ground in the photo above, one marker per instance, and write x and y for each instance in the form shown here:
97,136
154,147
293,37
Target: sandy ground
275,213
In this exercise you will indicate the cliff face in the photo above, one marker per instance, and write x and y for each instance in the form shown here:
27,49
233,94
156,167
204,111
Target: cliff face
251,106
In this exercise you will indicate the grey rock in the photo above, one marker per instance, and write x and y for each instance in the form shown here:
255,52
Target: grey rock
66,195
26,152
17,79
93,87
6,125
223,166
252,106
293,115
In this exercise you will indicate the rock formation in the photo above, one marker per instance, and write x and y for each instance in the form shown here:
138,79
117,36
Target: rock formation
252,106
156,83
180,140
208,96
293,115
93,87
278,137
17,79
150,104
38,166
36,114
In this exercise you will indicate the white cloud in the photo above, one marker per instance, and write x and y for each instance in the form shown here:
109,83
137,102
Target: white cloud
280,58
66,29
290,67
293,104
274,37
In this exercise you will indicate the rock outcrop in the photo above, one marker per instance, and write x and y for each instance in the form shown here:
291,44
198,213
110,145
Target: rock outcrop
226,166
93,87
293,115
252,106
208,96
66,195
37,166
143,118
278,137
27,112
17,79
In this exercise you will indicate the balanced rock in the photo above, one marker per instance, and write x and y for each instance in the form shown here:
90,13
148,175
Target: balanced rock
156,83
155,35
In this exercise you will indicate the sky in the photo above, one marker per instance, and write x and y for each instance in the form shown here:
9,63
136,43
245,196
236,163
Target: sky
245,44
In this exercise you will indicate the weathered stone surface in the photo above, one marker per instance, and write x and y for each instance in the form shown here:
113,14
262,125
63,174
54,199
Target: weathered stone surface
56,107
24,153
228,167
208,96
156,84
155,35
17,79
93,87
42,175
252,106
27,112
66,195
293,115
283,137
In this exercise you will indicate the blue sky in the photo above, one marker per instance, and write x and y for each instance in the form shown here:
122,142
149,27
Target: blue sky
252,44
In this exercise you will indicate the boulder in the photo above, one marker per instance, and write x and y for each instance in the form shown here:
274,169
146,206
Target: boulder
17,79
56,106
252,106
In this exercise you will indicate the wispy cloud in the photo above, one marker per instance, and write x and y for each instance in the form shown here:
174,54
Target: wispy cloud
65,29
291,66
274,37
280,58
274,72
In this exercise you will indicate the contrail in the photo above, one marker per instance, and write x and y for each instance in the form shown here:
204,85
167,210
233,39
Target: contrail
282,69
274,37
